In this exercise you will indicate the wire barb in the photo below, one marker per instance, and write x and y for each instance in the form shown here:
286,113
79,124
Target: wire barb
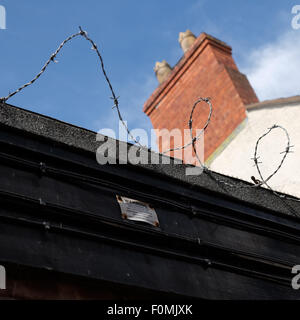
194,139
83,34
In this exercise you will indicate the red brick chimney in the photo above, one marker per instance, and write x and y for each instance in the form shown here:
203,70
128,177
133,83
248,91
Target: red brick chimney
207,69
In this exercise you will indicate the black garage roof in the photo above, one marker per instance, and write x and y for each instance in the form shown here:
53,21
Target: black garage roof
59,214
85,140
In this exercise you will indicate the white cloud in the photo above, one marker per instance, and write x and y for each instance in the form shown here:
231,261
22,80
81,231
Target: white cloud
273,69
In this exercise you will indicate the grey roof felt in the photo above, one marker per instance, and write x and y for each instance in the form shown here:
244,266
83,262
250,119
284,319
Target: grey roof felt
84,139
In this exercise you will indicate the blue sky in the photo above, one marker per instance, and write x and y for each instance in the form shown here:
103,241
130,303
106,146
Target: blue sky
132,35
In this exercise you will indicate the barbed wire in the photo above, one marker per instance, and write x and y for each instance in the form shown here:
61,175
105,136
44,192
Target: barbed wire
257,183
52,59
285,153
207,100
194,139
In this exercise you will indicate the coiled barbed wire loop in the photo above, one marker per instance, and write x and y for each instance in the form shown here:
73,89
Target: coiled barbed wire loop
193,141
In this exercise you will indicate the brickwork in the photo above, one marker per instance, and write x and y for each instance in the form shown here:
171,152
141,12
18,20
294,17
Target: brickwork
206,70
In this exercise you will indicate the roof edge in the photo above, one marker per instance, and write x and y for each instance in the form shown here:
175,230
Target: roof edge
200,44
274,102
63,133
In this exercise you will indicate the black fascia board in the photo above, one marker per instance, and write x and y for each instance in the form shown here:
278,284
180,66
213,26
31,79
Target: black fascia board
69,203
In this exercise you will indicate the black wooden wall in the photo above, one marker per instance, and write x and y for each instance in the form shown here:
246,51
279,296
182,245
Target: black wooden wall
59,214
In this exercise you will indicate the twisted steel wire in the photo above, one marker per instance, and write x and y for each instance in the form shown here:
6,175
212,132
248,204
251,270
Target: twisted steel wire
194,139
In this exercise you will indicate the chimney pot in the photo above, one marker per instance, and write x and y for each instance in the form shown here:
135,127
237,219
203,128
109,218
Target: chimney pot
206,70
186,40
162,70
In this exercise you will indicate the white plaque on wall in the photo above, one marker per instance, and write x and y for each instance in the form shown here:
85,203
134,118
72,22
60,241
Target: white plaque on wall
135,210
